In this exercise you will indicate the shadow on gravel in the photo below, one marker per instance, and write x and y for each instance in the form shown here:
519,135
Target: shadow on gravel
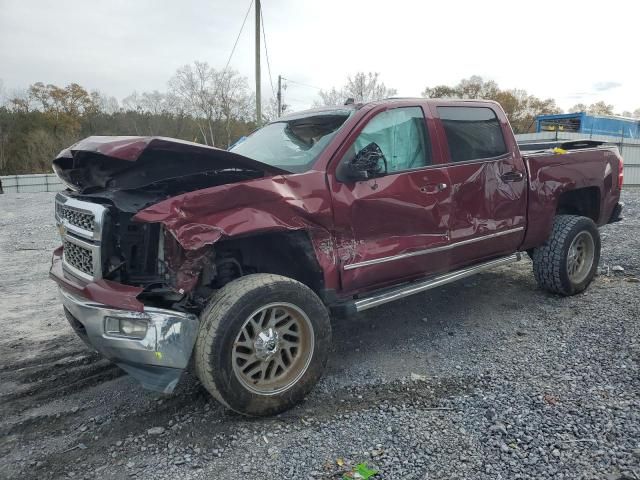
419,323
58,372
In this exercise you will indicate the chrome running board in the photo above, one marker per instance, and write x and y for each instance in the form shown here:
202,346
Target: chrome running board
412,288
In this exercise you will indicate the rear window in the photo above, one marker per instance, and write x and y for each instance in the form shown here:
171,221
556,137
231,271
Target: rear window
473,133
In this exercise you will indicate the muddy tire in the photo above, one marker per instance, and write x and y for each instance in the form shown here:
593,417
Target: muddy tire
263,344
567,262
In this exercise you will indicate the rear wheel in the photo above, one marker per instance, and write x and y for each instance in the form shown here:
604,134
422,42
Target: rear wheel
263,344
567,262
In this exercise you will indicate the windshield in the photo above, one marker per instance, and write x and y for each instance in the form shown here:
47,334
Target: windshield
293,145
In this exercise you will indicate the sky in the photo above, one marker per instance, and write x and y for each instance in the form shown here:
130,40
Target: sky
572,51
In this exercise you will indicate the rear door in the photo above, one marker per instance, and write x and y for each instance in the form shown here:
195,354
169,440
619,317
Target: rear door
487,178
384,225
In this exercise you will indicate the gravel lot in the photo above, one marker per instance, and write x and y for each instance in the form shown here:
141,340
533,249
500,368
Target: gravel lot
488,378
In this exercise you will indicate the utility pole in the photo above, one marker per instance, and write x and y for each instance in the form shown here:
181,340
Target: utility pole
279,95
258,96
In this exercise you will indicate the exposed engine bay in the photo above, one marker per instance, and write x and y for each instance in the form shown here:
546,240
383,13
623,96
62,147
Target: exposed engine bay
96,214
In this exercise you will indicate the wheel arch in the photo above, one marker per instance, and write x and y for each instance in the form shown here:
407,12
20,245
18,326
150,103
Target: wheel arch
287,253
581,201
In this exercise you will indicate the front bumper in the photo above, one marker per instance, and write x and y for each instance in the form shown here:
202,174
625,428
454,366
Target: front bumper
157,360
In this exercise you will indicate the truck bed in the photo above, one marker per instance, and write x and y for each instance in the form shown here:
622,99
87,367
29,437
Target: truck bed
537,146
576,170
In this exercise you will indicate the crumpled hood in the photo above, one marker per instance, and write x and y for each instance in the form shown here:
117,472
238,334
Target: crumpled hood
133,162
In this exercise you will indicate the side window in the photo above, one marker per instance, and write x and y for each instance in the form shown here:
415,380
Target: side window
473,133
401,135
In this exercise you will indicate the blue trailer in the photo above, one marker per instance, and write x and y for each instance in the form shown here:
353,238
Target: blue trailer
581,122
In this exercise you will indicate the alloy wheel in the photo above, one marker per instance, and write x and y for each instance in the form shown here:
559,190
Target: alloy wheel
273,349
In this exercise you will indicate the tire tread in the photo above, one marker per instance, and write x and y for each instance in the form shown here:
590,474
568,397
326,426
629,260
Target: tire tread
549,259
216,310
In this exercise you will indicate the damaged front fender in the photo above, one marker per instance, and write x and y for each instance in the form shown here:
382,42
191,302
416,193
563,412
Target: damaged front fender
199,219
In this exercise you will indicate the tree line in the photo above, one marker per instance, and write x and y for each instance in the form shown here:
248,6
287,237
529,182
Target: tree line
521,107
201,104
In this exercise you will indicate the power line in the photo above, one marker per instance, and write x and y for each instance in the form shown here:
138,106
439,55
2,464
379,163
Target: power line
297,100
303,84
266,51
238,37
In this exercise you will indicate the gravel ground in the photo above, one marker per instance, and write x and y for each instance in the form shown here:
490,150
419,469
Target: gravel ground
488,378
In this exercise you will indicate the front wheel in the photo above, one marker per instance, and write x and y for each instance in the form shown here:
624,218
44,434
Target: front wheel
263,344
567,262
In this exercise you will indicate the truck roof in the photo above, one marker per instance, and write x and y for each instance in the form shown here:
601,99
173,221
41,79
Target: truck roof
346,109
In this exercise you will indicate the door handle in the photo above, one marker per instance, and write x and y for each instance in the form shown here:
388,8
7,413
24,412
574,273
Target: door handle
512,176
433,187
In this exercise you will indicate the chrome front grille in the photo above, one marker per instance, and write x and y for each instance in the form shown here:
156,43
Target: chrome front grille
80,224
78,257
81,220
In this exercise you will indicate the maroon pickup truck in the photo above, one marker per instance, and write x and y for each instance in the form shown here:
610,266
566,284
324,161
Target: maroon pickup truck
177,255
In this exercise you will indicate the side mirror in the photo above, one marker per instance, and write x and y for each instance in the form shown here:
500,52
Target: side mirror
368,163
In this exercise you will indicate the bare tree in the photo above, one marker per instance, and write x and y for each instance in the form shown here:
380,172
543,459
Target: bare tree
362,87
211,97
476,87
578,107
472,87
194,85
105,103
4,135
331,97
132,103
270,111
3,94
368,87
154,103
600,108
233,99
440,91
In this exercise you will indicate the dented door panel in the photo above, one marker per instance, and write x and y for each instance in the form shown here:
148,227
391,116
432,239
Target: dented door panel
484,205
387,217
384,227
488,196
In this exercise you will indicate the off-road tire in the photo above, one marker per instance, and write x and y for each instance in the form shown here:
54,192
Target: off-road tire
550,260
221,322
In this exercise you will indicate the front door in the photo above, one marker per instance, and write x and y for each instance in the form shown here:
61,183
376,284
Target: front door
385,224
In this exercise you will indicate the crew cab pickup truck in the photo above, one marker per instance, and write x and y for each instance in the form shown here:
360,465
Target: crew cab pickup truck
177,255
